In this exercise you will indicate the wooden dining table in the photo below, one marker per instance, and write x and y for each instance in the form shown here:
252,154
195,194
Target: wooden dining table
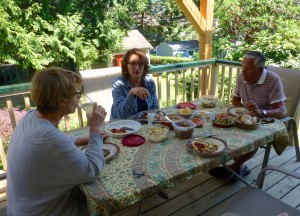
138,172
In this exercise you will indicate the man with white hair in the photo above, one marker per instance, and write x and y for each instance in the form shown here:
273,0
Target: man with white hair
261,92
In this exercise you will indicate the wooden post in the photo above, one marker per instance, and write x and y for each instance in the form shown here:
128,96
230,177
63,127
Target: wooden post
202,20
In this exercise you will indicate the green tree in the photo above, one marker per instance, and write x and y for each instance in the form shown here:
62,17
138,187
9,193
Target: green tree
270,26
163,21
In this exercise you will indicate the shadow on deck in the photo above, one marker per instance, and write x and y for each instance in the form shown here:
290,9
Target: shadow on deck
206,196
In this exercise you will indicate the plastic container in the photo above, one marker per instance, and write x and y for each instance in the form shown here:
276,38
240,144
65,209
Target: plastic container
158,133
184,128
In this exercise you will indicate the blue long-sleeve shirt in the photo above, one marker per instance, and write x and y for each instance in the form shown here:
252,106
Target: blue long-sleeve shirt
125,105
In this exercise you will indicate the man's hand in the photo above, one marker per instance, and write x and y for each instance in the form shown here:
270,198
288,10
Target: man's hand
140,92
253,108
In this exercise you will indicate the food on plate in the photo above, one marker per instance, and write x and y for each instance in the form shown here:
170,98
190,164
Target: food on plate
158,133
186,111
208,104
197,121
223,119
115,130
240,110
173,118
204,146
248,119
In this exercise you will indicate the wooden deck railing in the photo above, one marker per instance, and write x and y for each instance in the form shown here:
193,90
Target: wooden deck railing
211,76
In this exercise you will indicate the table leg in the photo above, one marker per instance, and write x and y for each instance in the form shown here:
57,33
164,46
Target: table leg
139,207
236,175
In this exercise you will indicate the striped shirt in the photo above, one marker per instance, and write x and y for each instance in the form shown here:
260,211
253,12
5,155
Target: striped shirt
264,93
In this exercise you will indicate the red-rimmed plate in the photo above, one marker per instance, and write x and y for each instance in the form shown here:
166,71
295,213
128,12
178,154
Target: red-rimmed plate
185,105
133,140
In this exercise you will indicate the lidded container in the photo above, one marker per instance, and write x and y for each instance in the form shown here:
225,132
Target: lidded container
184,128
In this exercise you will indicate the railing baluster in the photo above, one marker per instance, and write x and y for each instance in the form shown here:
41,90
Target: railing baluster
11,112
229,85
214,80
67,122
192,84
159,88
199,83
26,101
176,87
184,85
168,89
222,83
3,156
79,114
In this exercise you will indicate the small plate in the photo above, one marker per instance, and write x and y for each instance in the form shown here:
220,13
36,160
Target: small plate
185,105
222,146
136,126
143,117
198,121
133,140
233,111
223,123
203,113
112,148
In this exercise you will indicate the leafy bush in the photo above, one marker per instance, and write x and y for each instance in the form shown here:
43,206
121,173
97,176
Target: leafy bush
161,60
5,124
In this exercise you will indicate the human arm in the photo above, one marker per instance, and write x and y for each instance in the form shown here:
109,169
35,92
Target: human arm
278,109
124,104
153,94
84,140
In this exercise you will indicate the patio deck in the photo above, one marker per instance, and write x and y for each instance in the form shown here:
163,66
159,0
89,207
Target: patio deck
207,196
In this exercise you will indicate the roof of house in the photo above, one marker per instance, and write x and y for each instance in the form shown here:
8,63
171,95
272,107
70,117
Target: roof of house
136,40
183,45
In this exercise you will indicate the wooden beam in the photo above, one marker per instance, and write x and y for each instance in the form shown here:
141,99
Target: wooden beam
202,20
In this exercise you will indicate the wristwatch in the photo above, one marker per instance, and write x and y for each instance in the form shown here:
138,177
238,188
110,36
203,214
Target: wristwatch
264,112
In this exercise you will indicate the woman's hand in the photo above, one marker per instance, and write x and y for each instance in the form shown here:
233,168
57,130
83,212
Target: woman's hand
96,118
140,92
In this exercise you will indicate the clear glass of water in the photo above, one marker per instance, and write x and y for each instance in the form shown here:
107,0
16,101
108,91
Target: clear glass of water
86,103
207,127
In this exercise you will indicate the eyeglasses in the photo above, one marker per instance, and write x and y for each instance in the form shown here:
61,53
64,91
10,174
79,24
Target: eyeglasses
78,94
133,64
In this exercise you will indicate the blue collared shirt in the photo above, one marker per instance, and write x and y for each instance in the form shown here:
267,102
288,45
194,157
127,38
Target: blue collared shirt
125,105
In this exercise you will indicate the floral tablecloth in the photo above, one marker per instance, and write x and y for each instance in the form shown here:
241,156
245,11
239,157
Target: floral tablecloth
165,164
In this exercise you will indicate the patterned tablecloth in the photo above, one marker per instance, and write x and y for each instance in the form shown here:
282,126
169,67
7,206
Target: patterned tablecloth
165,164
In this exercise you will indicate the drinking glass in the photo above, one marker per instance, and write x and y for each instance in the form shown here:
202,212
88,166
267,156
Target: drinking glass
207,126
86,103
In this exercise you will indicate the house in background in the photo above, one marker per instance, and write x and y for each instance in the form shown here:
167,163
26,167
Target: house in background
178,48
134,40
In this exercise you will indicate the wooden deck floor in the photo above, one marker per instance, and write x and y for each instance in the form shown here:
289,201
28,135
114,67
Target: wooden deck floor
207,196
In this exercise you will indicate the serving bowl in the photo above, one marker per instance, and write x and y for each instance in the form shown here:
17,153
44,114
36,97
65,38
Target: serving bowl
240,124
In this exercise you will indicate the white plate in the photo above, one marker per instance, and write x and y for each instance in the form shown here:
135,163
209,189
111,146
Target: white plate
222,147
203,113
113,150
122,123
232,111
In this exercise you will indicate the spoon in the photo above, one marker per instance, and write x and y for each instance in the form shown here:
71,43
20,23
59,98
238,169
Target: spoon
170,120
